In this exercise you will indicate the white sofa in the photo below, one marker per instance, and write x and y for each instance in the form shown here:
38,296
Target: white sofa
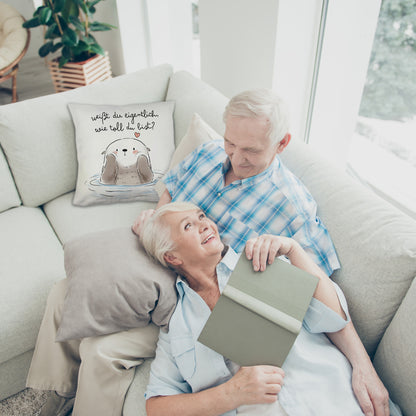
376,244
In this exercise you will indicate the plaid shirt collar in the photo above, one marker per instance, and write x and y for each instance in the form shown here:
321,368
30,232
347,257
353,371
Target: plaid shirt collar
252,180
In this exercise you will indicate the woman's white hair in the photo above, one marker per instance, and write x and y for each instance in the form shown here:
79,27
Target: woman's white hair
156,236
261,103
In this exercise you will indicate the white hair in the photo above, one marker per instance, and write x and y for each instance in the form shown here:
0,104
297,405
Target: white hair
156,236
261,103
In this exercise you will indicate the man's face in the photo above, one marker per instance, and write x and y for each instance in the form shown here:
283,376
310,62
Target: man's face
247,146
195,236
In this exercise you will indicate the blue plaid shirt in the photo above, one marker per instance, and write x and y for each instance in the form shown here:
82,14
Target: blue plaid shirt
273,202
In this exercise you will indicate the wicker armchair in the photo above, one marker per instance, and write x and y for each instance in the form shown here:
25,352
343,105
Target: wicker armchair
14,42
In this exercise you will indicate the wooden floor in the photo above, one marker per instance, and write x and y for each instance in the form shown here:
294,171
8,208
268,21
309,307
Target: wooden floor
33,80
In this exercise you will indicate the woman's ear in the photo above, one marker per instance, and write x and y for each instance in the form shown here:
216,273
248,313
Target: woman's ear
170,258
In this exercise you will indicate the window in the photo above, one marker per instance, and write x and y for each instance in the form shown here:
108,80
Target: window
383,147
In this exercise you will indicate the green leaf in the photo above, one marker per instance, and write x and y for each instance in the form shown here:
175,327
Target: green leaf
70,9
81,5
66,52
58,5
82,47
100,27
57,46
52,32
62,61
44,15
70,37
77,23
45,49
34,22
96,48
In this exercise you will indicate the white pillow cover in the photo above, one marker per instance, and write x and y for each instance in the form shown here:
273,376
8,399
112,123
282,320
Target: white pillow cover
122,150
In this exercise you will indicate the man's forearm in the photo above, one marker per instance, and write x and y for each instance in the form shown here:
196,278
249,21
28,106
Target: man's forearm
350,344
164,199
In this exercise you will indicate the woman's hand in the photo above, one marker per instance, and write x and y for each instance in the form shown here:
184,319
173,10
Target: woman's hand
141,219
264,249
255,385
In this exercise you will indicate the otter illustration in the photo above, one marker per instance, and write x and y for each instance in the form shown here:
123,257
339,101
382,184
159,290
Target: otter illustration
126,162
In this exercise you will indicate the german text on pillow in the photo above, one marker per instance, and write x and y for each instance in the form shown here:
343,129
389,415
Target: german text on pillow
122,150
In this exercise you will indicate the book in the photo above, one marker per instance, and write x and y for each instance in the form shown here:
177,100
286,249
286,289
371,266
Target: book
259,314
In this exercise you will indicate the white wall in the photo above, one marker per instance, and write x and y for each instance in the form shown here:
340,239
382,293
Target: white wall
296,41
170,33
238,42
349,36
245,46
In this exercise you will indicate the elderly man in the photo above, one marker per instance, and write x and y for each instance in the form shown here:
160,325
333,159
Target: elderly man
242,185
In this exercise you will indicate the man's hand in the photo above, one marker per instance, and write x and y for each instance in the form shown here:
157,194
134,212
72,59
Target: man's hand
255,385
141,219
264,249
370,392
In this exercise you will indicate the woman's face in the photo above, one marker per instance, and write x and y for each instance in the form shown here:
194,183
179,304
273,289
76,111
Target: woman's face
195,236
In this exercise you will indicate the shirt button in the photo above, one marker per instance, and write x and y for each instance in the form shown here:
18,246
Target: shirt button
219,194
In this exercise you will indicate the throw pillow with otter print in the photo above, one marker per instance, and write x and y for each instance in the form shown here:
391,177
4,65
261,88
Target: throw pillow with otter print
122,151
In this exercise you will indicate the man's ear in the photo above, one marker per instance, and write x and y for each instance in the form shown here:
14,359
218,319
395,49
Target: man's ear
170,258
283,143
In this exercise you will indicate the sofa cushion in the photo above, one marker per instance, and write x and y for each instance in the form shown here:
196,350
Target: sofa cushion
122,151
192,95
70,221
375,242
9,196
394,359
47,168
31,259
113,286
134,403
198,132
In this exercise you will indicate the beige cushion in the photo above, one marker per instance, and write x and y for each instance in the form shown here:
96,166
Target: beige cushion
9,196
31,260
113,286
47,168
375,242
13,36
394,359
198,133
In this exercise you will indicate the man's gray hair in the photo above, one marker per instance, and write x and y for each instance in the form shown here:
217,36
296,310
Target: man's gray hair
261,103
155,234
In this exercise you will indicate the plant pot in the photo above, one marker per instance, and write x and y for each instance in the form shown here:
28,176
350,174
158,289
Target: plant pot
78,74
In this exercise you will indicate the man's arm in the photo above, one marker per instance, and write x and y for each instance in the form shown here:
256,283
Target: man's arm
368,388
165,198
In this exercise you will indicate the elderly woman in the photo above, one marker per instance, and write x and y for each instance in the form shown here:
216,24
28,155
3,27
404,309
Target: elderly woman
188,378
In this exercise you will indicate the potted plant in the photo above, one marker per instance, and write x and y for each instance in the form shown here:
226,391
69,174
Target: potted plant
68,30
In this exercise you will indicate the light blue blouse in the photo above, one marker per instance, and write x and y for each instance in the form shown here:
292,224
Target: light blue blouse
317,375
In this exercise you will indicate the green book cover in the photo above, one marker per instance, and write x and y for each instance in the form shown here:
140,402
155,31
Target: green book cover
259,314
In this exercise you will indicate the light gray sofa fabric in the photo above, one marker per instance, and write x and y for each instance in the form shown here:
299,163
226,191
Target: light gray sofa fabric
31,259
375,243
395,356
193,96
9,197
13,374
38,137
70,221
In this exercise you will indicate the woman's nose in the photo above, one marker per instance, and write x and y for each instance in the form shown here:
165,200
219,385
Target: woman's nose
203,225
